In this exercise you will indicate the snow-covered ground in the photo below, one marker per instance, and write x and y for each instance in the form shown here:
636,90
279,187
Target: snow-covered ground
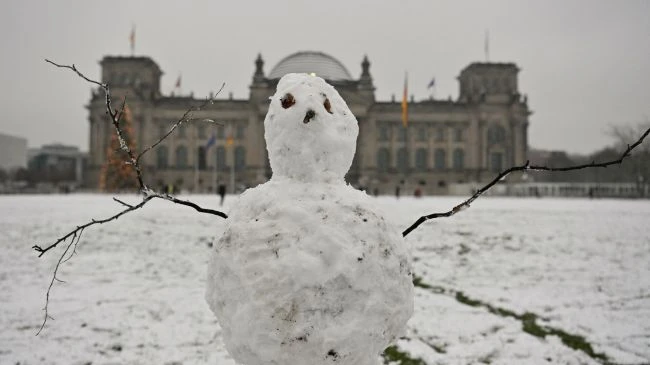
509,281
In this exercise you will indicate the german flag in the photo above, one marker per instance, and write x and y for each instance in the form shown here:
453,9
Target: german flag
405,103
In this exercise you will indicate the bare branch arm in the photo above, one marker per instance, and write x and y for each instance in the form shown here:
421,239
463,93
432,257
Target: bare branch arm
147,193
526,167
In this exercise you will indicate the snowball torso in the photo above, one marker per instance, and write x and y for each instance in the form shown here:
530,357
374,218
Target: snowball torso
309,274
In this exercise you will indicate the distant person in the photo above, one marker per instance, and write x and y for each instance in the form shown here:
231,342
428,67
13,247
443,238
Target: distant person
222,193
417,193
397,192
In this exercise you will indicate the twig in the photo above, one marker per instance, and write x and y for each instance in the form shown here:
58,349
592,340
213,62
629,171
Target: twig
526,167
41,251
56,270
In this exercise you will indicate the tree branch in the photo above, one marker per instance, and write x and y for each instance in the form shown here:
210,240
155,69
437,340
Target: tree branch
526,167
147,193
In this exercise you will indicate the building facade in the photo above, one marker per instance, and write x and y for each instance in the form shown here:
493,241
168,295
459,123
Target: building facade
57,163
13,152
446,141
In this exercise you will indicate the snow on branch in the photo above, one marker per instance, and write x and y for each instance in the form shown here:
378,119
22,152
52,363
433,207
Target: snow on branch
73,237
525,167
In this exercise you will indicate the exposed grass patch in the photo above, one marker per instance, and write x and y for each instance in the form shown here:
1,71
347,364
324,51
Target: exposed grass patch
528,321
418,283
392,354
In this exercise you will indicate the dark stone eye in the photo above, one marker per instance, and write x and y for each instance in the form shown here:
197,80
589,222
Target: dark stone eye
287,101
328,106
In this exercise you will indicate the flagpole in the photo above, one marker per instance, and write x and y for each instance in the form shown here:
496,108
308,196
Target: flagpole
232,165
196,168
214,174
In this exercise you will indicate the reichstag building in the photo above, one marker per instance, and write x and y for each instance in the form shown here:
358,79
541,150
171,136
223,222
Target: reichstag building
447,142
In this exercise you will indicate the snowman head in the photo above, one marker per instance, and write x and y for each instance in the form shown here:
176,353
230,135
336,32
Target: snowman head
310,132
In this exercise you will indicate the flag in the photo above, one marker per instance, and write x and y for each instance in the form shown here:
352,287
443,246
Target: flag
230,140
211,141
178,82
405,103
132,39
432,83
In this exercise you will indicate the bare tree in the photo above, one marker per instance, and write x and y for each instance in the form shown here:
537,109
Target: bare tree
638,166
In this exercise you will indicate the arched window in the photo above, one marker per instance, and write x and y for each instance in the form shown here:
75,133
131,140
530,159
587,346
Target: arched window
201,157
403,159
496,134
240,158
421,159
220,152
383,159
440,158
162,156
181,157
459,159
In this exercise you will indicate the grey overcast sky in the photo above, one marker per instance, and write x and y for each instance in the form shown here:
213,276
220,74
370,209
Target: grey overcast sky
585,65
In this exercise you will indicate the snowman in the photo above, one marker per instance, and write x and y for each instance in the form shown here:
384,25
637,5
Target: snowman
307,272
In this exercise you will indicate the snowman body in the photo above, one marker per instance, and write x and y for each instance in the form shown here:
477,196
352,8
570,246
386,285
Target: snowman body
307,272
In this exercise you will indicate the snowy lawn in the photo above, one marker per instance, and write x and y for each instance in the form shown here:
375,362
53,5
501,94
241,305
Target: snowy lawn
508,281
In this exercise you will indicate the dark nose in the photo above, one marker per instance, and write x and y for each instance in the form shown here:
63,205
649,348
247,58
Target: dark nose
310,114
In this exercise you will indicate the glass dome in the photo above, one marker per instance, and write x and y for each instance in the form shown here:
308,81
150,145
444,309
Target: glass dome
318,63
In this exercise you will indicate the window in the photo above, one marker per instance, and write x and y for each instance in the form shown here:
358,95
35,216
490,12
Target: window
240,132
403,134
440,134
402,159
181,132
496,161
240,158
201,158
201,131
220,153
421,159
384,133
496,134
162,156
440,157
459,159
422,134
458,135
181,157
383,159
162,130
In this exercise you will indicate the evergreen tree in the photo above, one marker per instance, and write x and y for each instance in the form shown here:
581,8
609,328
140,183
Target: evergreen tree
116,173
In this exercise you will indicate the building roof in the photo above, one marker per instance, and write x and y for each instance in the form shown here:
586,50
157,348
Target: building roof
491,66
319,63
